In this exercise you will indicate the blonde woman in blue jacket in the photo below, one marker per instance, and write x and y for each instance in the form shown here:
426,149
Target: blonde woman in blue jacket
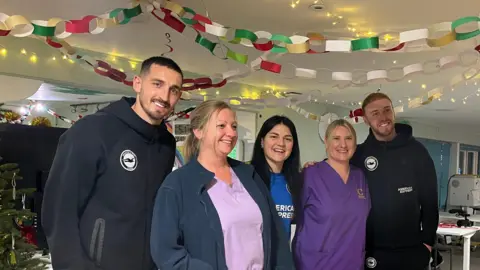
215,213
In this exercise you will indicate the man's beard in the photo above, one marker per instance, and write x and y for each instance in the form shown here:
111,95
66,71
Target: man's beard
153,115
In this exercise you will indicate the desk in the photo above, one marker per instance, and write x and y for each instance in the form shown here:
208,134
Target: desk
467,234
446,215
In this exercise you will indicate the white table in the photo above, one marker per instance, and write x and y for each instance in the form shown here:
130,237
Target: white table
466,234
446,215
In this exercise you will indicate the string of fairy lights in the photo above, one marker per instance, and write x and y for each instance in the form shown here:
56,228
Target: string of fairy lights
34,58
337,18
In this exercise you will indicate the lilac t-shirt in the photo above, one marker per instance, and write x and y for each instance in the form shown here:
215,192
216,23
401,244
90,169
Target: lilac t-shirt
331,229
242,223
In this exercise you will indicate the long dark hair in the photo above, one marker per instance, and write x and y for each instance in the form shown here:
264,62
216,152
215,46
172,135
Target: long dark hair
291,166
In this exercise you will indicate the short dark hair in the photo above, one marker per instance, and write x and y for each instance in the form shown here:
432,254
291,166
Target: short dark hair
161,61
374,97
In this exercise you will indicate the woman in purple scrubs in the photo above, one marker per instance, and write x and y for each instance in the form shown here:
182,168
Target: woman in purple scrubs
335,203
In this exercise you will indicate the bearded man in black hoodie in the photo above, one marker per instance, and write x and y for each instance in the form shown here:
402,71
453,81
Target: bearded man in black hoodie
403,220
99,196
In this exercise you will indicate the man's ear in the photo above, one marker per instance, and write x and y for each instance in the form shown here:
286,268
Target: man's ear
365,121
137,84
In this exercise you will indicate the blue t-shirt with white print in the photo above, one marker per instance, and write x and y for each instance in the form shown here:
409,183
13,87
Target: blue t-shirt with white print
282,199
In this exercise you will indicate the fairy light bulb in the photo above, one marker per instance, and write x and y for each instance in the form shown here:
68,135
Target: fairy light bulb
424,86
33,58
3,52
452,100
39,107
23,51
133,65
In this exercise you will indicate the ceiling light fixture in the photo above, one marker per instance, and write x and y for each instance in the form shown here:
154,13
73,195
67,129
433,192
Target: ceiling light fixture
318,6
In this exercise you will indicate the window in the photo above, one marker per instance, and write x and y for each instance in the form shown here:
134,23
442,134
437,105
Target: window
468,162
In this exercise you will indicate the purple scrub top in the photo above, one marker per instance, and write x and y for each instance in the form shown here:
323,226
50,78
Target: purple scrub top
330,233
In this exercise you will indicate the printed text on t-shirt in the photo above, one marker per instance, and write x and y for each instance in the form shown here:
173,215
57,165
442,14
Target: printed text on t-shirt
285,211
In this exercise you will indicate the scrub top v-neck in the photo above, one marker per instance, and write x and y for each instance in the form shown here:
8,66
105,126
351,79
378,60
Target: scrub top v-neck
331,229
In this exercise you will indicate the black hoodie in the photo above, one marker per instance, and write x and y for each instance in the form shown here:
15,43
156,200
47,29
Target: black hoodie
403,186
100,193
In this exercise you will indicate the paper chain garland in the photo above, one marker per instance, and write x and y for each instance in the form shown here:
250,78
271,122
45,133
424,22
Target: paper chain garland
363,77
105,69
301,44
19,26
344,79
294,44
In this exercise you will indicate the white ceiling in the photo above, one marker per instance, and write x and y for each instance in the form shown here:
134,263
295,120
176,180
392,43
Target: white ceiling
145,36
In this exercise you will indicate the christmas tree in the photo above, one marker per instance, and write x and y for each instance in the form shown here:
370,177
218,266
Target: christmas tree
15,252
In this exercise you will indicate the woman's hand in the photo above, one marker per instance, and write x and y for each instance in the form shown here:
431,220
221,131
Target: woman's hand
309,163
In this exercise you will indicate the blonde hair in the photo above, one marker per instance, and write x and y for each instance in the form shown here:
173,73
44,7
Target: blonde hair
340,123
198,120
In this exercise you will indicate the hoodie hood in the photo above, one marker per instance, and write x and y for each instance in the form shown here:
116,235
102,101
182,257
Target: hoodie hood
404,136
122,109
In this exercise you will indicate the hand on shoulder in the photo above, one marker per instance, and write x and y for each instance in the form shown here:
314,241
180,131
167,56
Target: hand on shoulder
309,164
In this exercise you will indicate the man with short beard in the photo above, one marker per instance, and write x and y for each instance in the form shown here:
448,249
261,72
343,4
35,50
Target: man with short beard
99,197
403,220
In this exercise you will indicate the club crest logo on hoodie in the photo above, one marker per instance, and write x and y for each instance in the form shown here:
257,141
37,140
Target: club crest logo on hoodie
371,262
128,160
371,163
